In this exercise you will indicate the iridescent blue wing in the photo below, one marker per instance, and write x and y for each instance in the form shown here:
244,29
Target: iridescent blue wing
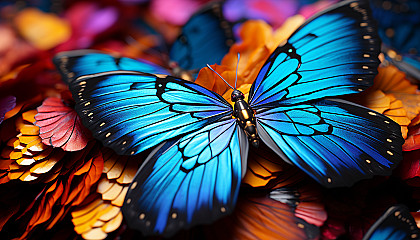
334,141
74,64
132,111
395,224
189,181
205,39
333,53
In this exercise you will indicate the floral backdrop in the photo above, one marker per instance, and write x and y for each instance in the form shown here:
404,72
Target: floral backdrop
58,182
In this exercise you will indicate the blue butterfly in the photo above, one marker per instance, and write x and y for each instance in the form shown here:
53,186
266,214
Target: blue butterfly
395,224
205,39
399,29
192,50
194,174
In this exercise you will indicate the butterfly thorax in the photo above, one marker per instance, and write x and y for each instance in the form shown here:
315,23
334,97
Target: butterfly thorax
245,116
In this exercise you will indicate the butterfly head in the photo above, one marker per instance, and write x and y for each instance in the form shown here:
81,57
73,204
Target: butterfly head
236,95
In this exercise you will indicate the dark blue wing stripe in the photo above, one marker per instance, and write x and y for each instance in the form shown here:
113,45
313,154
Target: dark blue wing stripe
334,141
75,64
336,51
132,111
173,194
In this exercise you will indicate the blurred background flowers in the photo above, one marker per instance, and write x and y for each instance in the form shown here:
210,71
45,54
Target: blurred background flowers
57,182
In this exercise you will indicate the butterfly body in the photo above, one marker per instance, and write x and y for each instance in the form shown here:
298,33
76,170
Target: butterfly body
245,117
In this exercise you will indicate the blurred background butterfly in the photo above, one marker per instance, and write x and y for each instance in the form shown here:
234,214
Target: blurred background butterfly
194,174
395,224
399,29
205,38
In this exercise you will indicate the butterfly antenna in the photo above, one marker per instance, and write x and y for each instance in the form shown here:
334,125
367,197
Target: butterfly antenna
236,76
220,77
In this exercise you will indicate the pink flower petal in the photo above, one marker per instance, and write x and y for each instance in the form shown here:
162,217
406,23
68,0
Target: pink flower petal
176,12
60,126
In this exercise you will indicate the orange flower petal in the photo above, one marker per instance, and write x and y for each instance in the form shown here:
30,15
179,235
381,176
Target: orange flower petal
411,104
94,233
390,79
374,99
208,79
113,224
266,169
397,113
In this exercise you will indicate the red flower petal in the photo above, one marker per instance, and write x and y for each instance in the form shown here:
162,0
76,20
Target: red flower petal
410,165
413,140
60,126
311,209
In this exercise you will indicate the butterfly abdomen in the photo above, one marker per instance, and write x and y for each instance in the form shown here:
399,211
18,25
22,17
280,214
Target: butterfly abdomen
245,117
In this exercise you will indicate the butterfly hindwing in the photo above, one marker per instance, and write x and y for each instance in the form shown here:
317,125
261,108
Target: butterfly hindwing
205,39
334,141
132,111
395,224
74,64
189,181
333,53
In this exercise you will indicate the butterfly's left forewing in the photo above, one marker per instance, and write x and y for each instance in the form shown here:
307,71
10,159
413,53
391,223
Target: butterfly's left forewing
188,181
133,111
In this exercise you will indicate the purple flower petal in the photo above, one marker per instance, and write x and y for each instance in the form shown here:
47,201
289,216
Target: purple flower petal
6,104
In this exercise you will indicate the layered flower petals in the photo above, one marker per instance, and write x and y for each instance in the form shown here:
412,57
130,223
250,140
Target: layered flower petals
60,126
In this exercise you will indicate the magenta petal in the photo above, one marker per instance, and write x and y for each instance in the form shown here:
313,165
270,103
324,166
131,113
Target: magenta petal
6,104
175,11
101,20
60,126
